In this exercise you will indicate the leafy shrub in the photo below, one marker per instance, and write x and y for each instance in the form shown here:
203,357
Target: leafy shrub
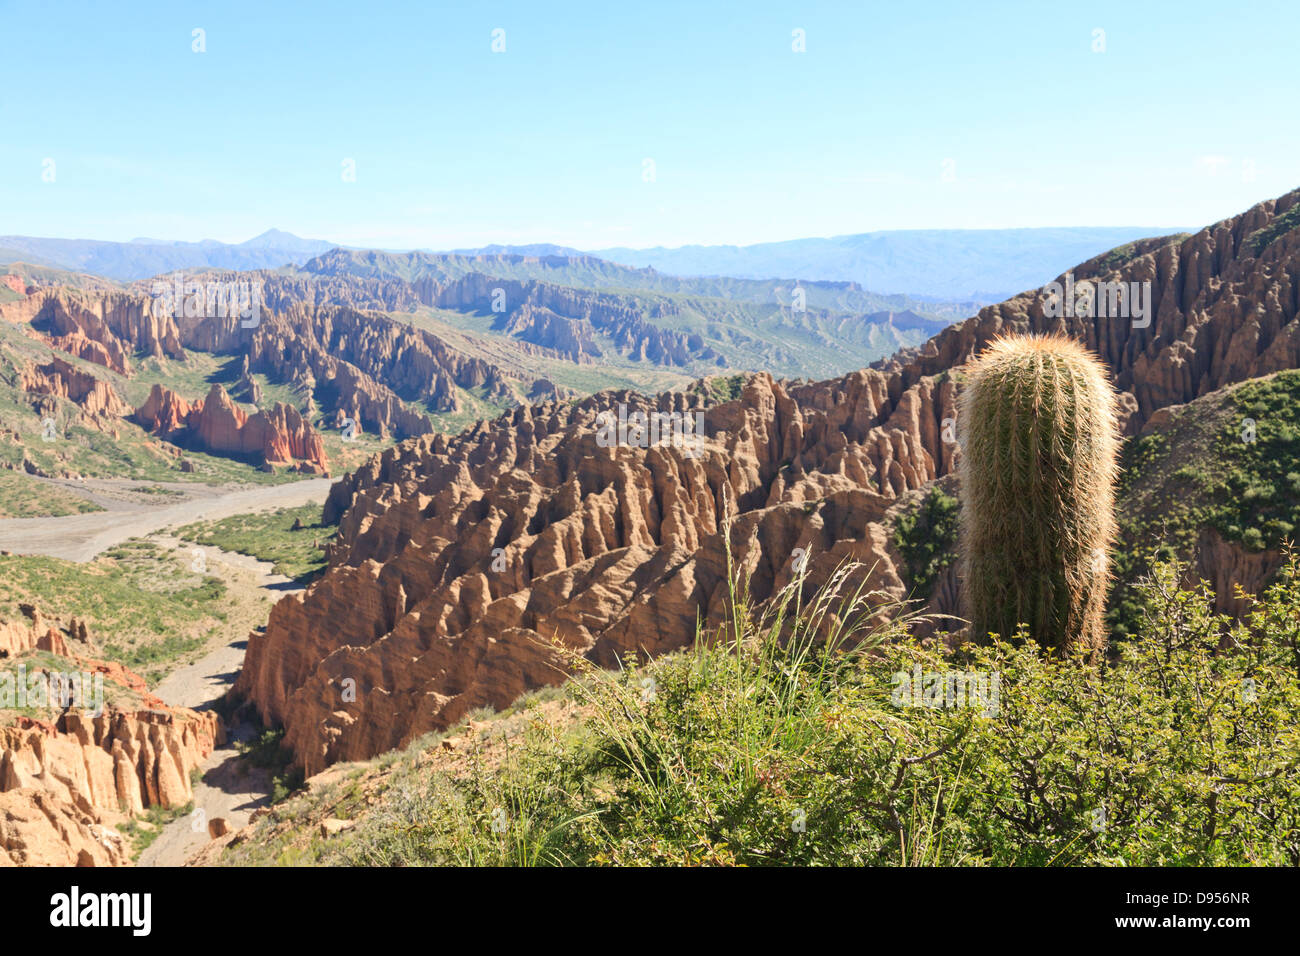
1259,490
266,751
927,539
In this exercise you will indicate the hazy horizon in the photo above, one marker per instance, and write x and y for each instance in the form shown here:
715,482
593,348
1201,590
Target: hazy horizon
162,240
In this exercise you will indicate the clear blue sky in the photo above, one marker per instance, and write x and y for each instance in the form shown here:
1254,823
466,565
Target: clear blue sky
1188,116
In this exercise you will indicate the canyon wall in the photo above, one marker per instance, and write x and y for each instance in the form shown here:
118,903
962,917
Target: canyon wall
102,327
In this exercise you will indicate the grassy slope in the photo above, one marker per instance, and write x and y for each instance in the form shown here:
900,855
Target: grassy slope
144,606
12,262
270,536
1198,471
22,496
115,695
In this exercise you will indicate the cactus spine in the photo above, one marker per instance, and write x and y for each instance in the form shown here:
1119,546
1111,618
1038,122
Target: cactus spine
1039,450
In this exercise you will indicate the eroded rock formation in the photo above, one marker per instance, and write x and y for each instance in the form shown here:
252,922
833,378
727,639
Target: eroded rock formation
65,783
102,327
1224,300
557,317
462,563
279,435
59,379
465,558
340,357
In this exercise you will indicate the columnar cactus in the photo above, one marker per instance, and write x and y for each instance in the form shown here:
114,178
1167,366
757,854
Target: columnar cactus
1039,449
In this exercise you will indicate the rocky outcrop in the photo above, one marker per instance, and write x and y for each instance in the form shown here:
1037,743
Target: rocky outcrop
339,358
66,781
39,829
164,413
465,559
59,379
1224,305
572,338
63,787
18,637
1233,573
14,284
544,390
279,435
101,327
247,389
346,353
116,762
466,569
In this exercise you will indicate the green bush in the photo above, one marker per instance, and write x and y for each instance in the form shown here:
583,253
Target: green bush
1258,489
927,540
266,751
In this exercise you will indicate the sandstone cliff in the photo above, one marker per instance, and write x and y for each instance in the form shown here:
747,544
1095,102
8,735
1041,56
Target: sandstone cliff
465,558
279,435
1225,301
102,327
67,782
64,787
59,379
339,357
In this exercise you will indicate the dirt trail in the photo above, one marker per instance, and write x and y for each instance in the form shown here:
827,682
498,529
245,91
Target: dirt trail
229,789
82,537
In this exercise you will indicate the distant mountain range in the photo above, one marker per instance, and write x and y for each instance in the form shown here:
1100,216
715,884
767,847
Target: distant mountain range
141,258
983,265
575,269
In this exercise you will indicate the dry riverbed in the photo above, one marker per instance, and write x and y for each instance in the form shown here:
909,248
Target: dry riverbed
132,513
230,788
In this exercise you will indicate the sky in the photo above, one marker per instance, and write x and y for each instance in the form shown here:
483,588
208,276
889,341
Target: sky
627,124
